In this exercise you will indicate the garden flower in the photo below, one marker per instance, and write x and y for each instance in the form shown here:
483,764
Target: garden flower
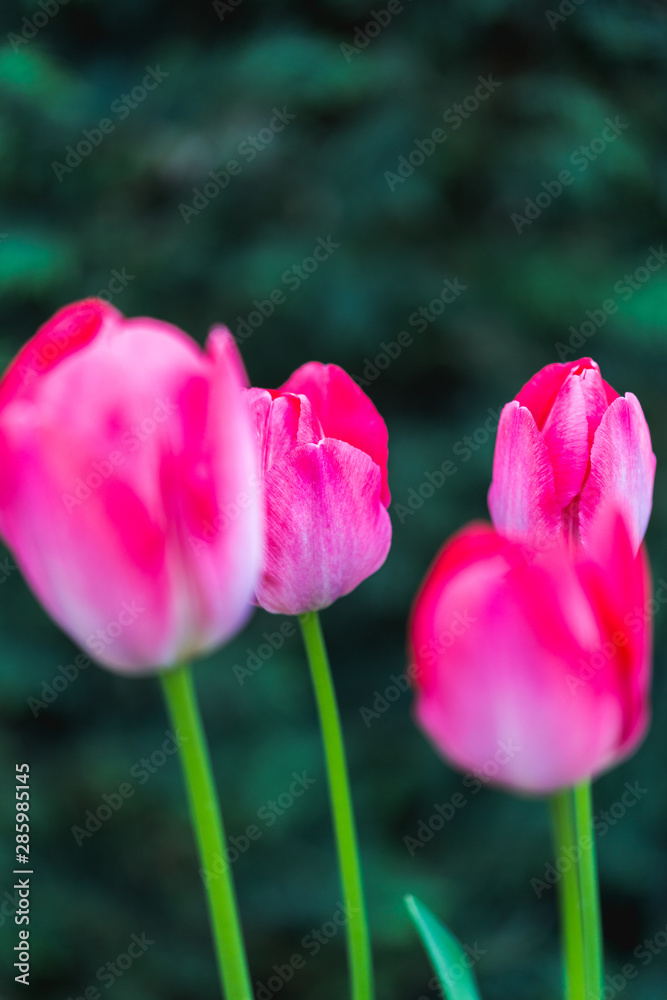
125,449
532,670
324,462
568,446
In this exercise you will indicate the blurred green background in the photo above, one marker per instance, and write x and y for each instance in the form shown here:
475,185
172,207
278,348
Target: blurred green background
115,217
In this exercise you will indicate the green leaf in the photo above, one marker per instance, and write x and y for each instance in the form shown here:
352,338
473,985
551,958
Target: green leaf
450,961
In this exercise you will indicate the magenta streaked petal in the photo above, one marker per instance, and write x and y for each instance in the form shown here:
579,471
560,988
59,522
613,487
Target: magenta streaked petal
522,497
565,434
327,529
344,411
622,470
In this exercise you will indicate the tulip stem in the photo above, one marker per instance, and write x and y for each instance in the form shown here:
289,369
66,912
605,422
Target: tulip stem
179,692
574,965
578,893
590,896
358,937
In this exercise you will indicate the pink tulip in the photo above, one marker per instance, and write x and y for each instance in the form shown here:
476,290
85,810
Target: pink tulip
569,446
324,462
533,670
128,493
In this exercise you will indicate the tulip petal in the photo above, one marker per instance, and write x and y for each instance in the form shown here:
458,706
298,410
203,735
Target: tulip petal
216,502
123,465
565,434
499,640
622,470
70,329
594,390
344,411
620,586
282,422
327,529
609,392
539,393
477,541
522,497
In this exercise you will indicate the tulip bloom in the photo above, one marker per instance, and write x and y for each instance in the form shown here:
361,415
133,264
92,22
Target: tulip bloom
569,446
533,669
124,448
324,463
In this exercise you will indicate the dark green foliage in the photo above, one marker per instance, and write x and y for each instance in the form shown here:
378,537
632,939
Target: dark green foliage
324,176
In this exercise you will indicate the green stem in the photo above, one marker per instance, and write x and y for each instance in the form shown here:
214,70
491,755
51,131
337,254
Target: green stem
579,898
574,967
590,897
358,938
181,700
